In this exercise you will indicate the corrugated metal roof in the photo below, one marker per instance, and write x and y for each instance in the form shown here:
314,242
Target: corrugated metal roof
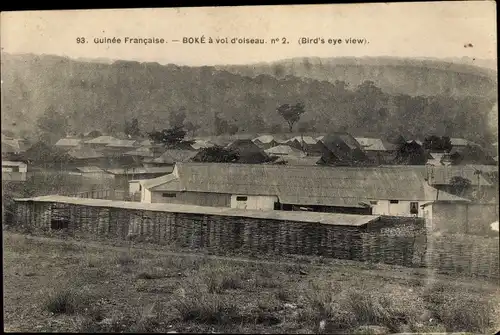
345,138
173,156
146,143
102,140
83,152
310,217
141,152
264,139
455,141
311,185
12,163
122,143
69,142
345,148
150,183
200,144
441,175
284,150
142,170
438,158
371,144
304,139
416,141
222,142
90,169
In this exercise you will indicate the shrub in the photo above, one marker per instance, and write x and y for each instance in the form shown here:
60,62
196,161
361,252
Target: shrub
284,295
261,282
221,279
149,275
462,311
67,301
124,259
209,309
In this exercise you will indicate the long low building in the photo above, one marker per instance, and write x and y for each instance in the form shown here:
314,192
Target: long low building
399,191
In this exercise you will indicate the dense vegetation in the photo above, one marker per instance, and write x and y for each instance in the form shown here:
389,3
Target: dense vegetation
89,96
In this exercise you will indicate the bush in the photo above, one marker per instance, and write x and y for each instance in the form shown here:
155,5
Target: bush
220,279
284,295
209,309
267,282
346,308
459,311
149,275
124,259
67,301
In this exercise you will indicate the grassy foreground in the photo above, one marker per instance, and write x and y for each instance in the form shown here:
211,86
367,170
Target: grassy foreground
69,288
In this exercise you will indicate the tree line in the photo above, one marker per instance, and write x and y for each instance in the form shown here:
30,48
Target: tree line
100,96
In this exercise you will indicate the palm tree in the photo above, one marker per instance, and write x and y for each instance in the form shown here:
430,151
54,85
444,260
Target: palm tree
478,173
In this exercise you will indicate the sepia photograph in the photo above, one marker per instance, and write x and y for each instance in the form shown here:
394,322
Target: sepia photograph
284,169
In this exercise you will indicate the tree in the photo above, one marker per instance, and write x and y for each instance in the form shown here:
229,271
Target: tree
216,154
132,129
437,144
291,113
460,185
478,173
410,154
173,137
52,125
191,127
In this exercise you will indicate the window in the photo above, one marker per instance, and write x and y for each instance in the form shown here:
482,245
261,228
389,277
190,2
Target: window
239,198
58,224
394,201
140,187
373,202
413,207
168,195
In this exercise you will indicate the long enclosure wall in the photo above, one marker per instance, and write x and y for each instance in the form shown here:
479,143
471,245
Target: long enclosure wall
223,234
396,241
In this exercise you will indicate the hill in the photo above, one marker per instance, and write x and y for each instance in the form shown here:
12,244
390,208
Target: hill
96,95
392,75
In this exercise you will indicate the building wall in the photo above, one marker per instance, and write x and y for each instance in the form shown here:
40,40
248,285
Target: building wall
449,217
13,176
402,208
192,198
146,196
427,215
134,186
480,217
21,168
254,202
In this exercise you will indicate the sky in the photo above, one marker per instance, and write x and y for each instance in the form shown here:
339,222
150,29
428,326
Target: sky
438,30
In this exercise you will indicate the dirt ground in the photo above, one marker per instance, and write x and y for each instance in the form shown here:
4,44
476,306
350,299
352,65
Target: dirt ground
70,286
